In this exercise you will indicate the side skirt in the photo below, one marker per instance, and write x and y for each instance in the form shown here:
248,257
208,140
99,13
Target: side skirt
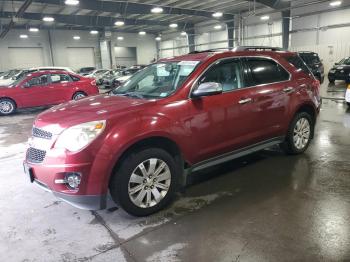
235,154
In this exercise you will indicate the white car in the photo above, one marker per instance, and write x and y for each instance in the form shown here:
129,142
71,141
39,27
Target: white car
347,95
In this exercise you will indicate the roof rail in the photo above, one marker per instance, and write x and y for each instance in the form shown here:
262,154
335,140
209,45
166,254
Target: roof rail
257,48
210,50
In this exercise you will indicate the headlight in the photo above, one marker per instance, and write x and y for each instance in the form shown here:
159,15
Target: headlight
79,136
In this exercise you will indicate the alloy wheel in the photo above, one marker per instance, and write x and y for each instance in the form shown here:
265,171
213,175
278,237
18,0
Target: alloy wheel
149,183
6,107
301,133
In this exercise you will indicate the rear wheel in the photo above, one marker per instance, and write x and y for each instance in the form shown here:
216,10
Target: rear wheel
299,134
7,106
145,181
79,95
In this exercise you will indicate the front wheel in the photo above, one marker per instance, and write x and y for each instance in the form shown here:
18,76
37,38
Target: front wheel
145,181
299,134
7,106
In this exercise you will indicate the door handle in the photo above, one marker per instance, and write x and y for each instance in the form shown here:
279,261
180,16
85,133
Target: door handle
288,89
245,101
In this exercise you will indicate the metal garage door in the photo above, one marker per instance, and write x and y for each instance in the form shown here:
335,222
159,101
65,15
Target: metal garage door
25,57
80,57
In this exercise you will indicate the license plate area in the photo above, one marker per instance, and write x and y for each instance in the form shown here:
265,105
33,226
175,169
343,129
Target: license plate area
29,172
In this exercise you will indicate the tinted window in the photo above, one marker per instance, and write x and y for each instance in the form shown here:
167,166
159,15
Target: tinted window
297,62
39,81
226,73
75,78
265,71
310,58
60,78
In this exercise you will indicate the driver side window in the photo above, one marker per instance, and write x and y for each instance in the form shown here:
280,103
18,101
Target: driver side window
39,81
228,73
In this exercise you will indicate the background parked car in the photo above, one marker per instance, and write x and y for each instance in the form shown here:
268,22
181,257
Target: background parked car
340,71
107,78
86,70
44,88
313,61
97,73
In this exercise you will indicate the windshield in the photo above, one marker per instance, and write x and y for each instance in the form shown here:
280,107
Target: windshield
345,61
310,58
157,80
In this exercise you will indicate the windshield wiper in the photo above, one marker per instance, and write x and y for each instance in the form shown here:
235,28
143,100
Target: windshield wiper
130,94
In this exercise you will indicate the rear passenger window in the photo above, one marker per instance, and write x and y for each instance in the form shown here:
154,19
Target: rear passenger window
75,78
226,73
60,78
297,62
266,71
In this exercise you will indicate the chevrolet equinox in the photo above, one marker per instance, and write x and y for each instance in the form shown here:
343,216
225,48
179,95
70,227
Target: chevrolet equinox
176,116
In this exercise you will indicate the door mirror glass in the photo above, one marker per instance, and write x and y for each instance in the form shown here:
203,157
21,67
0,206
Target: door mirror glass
207,89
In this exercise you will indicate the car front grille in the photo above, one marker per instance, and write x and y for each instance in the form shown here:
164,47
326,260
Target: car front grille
36,132
35,155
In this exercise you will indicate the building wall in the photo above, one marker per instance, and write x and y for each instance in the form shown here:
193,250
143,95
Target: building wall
145,45
63,39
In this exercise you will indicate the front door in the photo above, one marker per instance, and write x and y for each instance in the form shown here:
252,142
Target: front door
219,122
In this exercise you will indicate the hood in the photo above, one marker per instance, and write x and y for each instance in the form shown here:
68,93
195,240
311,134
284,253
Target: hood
341,67
89,109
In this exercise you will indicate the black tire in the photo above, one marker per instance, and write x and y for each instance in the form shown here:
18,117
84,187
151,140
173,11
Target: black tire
119,184
79,95
289,146
7,106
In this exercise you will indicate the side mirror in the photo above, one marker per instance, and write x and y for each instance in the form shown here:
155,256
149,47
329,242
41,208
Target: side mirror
207,89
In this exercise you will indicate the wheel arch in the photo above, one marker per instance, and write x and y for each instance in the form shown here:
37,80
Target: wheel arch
7,97
161,142
311,110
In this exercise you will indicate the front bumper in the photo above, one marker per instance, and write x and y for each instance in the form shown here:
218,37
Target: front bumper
45,176
337,75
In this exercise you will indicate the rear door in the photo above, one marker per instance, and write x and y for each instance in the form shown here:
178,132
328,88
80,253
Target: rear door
270,87
61,85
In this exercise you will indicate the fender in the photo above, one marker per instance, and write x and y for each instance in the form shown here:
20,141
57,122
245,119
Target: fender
122,136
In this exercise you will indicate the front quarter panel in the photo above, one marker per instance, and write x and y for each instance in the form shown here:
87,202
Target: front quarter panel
135,127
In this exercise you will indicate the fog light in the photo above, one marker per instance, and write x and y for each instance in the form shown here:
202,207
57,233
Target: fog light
73,180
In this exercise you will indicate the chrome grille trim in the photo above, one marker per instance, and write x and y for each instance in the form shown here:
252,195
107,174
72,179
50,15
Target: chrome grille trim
37,132
35,155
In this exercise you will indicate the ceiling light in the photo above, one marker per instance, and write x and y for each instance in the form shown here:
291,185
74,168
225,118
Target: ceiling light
33,29
173,25
71,2
183,33
120,38
23,36
142,33
94,32
335,3
48,19
157,10
76,37
119,23
265,17
217,14
158,38
218,27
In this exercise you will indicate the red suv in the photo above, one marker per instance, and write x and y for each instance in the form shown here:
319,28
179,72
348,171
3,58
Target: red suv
44,88
174,117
